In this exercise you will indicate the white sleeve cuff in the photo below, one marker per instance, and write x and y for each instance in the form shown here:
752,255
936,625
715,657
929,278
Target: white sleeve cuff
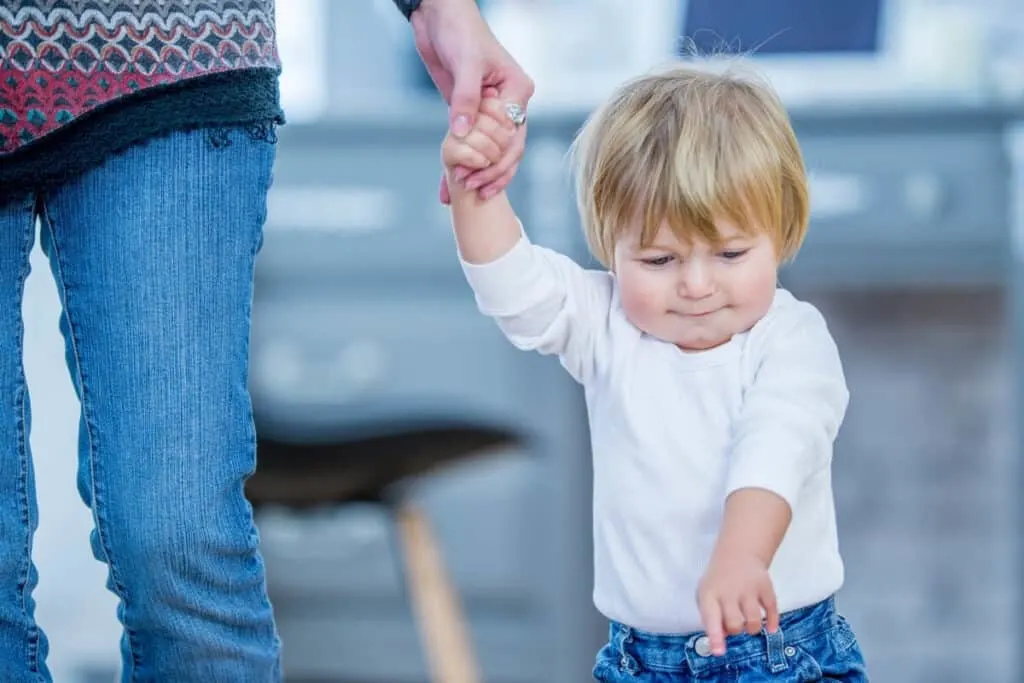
759,465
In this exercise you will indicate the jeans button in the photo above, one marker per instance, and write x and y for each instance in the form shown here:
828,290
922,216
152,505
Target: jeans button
790,650
703,646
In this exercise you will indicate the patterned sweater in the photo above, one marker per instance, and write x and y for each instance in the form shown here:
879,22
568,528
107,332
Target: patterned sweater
81,79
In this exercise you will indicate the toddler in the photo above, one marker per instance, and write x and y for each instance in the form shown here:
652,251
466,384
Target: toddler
714,396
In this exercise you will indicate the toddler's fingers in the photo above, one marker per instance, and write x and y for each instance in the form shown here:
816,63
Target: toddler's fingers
460,154
751,607
711,616
444,195
484,142
771,609
499,175
732,617
493,127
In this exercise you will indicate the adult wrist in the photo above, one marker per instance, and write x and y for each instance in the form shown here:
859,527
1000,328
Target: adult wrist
407,7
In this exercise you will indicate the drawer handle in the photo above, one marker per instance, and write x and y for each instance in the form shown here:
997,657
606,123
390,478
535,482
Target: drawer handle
332,209
924,195
837,195
359,365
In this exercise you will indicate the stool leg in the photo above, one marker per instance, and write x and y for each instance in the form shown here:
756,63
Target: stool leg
435,602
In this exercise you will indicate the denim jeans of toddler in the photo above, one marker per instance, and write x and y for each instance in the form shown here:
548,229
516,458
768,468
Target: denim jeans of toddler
812,644
153,255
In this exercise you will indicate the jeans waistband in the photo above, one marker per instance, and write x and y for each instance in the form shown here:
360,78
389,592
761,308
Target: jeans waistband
690,652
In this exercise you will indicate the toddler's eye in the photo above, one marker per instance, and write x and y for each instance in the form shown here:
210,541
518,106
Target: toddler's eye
658,261
735,254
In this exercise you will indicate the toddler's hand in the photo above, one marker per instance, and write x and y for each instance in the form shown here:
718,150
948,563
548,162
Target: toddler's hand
485,145
731,595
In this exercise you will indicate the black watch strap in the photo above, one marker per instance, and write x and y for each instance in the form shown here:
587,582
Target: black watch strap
407,7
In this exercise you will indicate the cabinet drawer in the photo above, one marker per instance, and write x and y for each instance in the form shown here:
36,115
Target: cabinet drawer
932,189
350,201
335,364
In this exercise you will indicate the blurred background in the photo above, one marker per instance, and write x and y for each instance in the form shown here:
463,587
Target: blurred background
370,361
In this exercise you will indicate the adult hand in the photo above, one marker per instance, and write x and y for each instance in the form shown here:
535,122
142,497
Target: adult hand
463,59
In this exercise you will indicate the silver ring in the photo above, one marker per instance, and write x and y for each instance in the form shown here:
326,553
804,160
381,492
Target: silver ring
516,113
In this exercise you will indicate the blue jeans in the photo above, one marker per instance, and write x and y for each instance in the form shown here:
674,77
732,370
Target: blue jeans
153,257
813,644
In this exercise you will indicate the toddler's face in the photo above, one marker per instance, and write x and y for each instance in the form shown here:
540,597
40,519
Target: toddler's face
694,296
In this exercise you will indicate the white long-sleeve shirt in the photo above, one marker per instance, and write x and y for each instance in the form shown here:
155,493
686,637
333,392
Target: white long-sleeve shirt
674,432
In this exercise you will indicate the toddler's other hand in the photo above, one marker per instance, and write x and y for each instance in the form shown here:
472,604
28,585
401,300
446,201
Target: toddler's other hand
731,597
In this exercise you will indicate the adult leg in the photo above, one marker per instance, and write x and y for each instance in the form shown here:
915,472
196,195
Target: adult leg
153,254
23,646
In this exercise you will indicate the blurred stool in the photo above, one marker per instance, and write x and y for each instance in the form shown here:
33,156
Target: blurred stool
378,470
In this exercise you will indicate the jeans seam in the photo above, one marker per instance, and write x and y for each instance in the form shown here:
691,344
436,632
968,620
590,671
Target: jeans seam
251,435
119,586
24,454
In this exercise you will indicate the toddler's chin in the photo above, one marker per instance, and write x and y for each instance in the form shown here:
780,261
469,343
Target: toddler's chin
695,345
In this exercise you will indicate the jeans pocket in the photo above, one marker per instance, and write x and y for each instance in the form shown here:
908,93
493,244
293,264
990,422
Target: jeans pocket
610,672
609,669
839,655
252,146
264,132
603,673
842,635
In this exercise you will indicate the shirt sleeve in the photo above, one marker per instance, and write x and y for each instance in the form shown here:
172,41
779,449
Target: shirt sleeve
544,301
792,410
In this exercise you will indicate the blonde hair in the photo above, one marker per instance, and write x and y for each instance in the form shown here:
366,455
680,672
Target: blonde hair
687,147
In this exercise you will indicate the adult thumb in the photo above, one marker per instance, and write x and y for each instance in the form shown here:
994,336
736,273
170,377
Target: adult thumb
465,101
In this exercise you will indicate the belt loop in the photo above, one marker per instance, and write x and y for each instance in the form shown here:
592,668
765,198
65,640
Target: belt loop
776,650
627,663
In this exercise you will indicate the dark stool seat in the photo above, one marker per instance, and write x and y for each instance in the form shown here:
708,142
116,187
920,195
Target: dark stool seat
373,469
